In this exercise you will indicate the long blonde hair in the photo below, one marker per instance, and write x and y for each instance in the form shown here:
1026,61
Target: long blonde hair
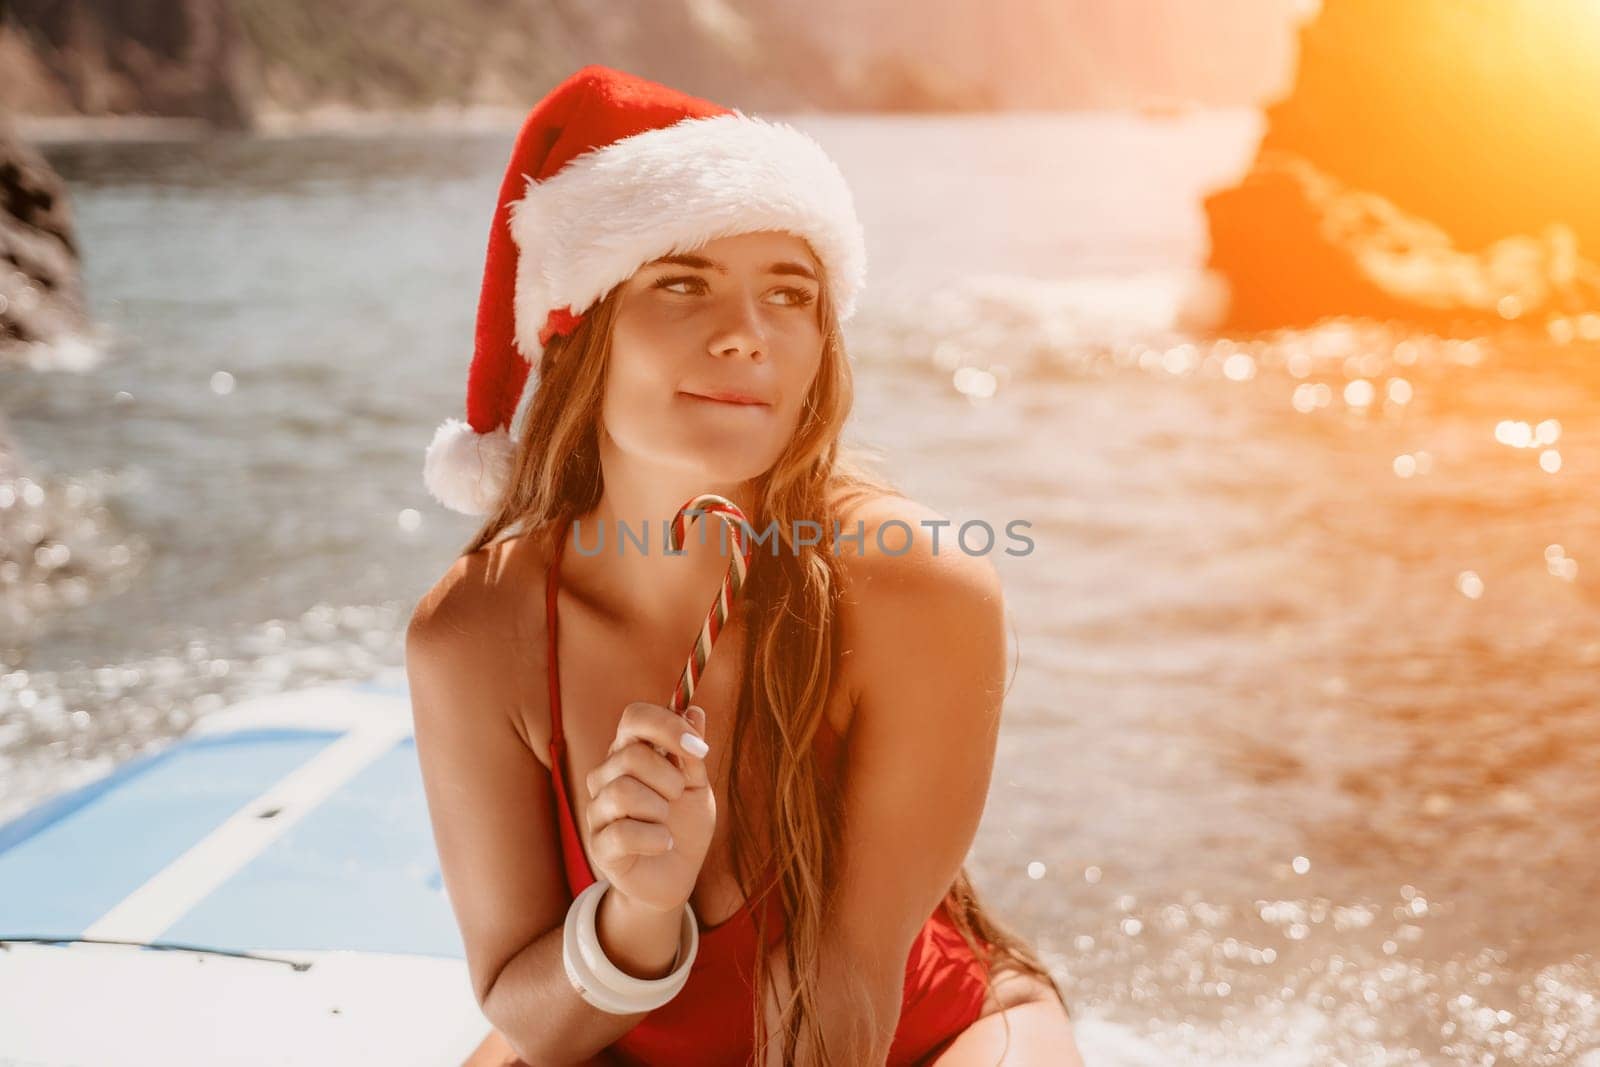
789,605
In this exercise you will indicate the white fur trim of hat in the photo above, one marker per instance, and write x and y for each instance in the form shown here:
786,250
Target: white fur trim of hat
590,226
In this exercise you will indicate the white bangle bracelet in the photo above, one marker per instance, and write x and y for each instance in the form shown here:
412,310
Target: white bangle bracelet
646,992
599,981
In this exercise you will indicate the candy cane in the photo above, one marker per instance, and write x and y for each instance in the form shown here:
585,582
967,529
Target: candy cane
727,595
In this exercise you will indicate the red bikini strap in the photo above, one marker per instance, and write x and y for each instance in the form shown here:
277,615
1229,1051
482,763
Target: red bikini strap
550,579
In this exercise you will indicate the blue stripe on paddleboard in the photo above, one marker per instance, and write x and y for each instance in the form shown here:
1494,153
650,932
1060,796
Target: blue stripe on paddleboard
70,860
358,873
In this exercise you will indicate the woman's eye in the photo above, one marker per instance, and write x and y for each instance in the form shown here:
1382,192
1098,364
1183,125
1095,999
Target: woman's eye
797,297
802,297
666,283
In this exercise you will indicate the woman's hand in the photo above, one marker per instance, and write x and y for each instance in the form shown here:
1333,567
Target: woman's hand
652,809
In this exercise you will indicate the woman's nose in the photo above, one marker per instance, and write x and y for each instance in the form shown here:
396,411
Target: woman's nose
740,331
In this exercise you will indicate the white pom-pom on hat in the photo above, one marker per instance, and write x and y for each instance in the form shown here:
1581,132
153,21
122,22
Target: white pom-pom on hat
467,471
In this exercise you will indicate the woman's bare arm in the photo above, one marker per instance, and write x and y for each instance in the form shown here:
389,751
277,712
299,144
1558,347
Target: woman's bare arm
495,1052
490,804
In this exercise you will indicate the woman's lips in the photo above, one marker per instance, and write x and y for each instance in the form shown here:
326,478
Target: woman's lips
727,399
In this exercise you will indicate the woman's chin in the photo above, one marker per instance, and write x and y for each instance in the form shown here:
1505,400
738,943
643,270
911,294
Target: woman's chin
710,463
730,475
710,451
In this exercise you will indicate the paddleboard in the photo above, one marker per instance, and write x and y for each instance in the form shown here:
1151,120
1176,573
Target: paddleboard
264,890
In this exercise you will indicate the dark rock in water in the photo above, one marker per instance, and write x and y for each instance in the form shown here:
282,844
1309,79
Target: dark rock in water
57,549
1434,160
1296,245
41,295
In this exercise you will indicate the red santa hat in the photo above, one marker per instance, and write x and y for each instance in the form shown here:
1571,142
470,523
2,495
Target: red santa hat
609,172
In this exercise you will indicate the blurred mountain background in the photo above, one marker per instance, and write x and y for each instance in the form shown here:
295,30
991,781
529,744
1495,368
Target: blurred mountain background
232,63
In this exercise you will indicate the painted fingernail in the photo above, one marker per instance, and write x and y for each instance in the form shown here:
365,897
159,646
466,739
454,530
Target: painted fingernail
694,744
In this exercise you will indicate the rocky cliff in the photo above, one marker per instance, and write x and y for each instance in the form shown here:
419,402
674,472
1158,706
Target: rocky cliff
229,61
1434,160
185,58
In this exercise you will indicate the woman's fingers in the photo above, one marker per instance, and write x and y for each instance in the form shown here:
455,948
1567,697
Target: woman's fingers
694,767
660,726
627,798
629,837
639,761
657,756
673,739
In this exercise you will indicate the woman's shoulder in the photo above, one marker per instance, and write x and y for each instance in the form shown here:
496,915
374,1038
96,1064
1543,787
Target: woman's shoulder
478,590
889,542
904,569
484,618
916,608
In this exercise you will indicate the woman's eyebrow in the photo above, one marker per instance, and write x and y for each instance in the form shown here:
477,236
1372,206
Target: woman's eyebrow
686,259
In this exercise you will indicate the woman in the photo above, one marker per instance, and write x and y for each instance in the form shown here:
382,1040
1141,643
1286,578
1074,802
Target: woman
680,271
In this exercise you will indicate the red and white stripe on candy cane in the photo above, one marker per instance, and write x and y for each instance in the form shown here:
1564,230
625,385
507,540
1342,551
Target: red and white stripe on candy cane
704,506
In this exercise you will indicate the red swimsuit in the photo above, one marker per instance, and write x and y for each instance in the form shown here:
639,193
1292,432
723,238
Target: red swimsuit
709,1023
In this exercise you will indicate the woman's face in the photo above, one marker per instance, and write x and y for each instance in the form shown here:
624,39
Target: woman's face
736,318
